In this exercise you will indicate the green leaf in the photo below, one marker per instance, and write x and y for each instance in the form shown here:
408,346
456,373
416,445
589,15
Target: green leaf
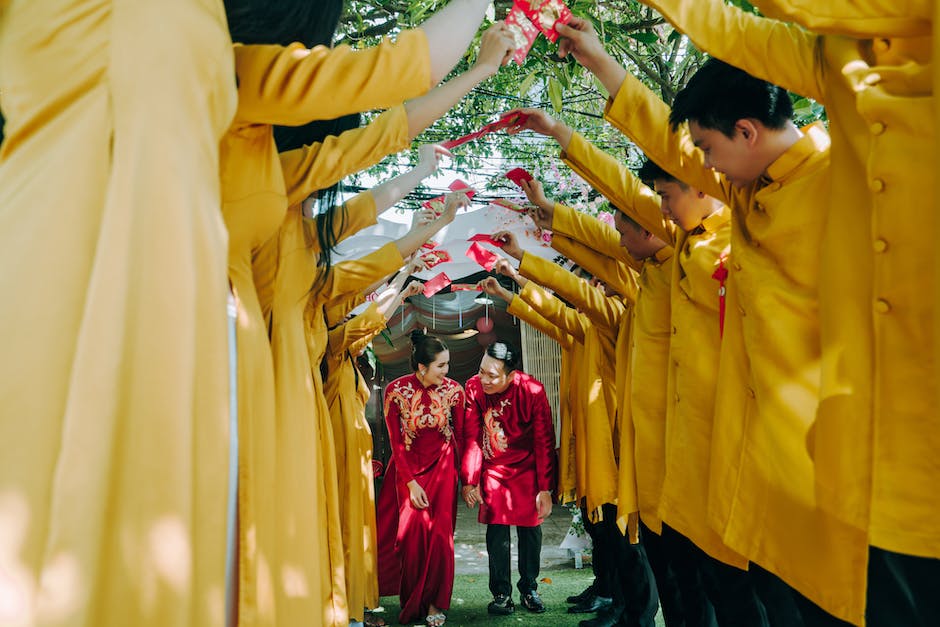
554,94
527,82
646,38
387,337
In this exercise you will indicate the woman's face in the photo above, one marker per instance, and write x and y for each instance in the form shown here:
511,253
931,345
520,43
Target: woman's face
434,372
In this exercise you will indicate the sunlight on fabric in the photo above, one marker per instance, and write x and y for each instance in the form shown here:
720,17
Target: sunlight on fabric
60,589
171,553
295,582
16,586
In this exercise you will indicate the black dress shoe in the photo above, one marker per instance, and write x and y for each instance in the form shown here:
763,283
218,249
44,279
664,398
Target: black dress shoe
501,605
581,598
593,604
609,617
533,602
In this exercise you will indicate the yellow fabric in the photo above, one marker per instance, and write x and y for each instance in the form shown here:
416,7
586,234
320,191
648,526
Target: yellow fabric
613,272
618,184
309,534
113,382
761,485
568,404
647,390
855,18
879,381
256,187
594,449
323,83
346,394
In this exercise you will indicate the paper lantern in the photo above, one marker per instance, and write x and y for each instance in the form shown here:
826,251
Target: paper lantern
484,325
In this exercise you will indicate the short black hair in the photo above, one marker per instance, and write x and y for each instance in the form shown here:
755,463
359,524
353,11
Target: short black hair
719,95
506,353
650,171
283,22
425,348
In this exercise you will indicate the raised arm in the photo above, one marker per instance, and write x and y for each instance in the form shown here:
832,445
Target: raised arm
602,310
495,49
520,309
618,275
293,85
862,19
619,185
781,53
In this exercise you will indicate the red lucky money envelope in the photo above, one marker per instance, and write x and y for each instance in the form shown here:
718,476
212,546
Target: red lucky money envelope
436,284
464,287
523,32
518,175
458,186
486,239
545,15
435,257
482,256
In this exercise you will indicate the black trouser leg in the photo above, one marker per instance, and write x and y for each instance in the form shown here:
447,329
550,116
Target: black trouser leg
685,559
670,598
497,546
601,557
637,584
530,555
778,597
902,590
733,594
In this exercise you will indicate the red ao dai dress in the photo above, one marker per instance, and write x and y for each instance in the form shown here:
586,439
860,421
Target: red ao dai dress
420,566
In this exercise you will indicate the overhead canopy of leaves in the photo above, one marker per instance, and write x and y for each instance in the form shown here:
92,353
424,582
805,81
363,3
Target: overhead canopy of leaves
639,37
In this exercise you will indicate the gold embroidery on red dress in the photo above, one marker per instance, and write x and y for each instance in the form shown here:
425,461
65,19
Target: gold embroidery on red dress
430,410
494,438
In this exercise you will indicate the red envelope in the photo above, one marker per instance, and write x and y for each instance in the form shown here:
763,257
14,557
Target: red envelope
486,239
545,15
459,185
508,204
464,287
435,204
435,257
509,119
523,31
482,256
462,140
518,175
436,284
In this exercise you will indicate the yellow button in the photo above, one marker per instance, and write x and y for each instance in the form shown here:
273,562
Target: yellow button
880,245
881,45
674,330
877,185
750,393
872,79
675,363
877,128
741,310
882,306
677,398
736,266
760,208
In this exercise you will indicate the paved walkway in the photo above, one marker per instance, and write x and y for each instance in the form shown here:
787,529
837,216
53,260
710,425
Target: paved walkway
470,542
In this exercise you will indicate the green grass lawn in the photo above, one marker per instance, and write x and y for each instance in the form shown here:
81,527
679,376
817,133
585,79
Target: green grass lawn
471,595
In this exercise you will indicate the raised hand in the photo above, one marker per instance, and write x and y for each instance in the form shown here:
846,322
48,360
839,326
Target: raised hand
491,286
496,48
510,244
578,38
537,121
453,202
429,158
412,289
535,192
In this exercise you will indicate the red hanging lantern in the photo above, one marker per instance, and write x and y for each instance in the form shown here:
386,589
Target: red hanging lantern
484,325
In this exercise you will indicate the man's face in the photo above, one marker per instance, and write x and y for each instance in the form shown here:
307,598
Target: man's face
684,207
631,238
732,156
493,375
